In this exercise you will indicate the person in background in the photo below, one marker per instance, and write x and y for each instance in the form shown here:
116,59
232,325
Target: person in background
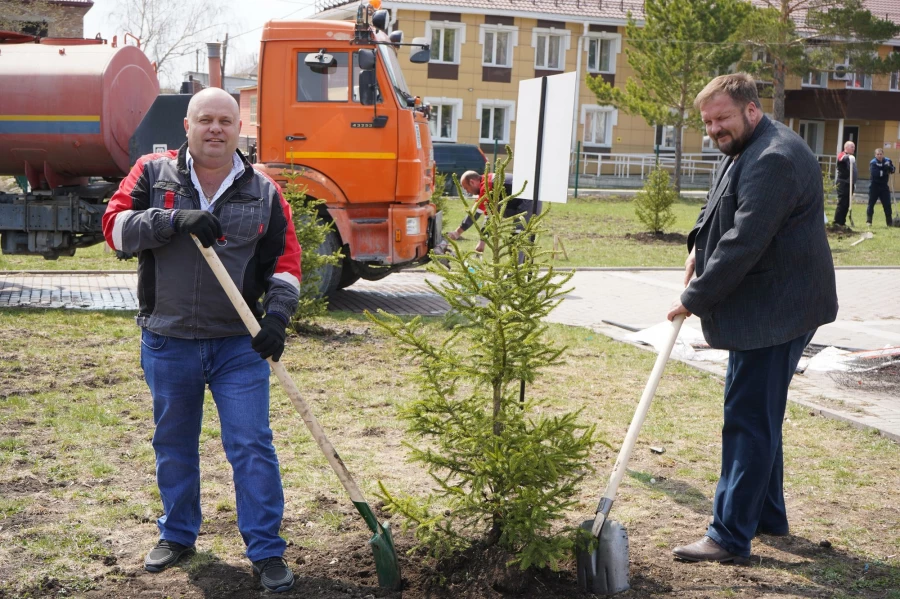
477,185
844,192
880,171
191,334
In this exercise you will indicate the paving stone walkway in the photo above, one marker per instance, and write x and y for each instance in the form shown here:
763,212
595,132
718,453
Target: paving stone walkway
869,317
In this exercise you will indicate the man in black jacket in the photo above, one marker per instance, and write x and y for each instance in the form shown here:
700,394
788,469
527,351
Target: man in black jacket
880,171
846,165
764,284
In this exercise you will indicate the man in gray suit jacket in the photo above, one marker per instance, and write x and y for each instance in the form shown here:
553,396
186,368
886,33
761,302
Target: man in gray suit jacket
764,284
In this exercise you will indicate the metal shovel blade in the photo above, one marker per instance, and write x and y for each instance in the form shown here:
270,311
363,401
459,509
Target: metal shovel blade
604,571
386,565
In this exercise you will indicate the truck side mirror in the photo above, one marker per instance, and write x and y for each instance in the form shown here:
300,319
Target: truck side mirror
320,62
380,20
367,60
368,88
419,51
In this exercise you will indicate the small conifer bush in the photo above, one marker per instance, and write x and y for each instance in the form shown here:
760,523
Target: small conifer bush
312,230
653,204
504,471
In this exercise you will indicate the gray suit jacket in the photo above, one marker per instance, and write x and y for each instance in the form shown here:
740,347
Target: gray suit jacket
764,273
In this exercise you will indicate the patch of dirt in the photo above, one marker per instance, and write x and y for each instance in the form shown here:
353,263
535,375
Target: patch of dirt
839,232
666,238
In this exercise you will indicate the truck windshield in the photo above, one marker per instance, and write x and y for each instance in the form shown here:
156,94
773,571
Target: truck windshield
396,75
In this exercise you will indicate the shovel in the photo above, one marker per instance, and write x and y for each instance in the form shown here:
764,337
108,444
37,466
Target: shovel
604,571
386,565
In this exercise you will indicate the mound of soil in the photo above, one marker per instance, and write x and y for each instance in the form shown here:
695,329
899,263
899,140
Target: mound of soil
647,237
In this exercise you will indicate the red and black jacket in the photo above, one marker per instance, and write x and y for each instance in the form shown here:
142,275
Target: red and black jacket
178,293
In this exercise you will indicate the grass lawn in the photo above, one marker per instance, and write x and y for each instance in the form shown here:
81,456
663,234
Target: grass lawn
596,231
78,499
600,231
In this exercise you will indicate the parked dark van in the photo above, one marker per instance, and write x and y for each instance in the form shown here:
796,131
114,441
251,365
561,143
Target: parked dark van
452,158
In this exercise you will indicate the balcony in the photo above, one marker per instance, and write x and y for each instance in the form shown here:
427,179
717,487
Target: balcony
818,104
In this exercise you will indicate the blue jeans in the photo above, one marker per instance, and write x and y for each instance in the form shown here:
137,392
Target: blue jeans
750,496
177,372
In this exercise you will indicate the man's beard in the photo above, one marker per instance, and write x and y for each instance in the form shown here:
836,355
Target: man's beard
737,144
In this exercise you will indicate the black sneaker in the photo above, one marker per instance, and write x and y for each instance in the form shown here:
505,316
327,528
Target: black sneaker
274,574
165,554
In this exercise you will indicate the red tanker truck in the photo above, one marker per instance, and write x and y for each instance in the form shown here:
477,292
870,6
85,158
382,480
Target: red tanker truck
67,113
76,114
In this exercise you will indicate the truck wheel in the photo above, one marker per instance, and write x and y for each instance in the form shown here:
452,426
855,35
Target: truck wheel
330,274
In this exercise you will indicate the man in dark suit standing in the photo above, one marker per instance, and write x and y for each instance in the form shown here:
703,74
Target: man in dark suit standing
764,284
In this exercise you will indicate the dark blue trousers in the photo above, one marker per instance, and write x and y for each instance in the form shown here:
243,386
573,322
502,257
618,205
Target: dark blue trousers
749,496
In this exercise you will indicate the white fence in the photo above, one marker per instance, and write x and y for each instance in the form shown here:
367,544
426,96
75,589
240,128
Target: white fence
703,165
640,165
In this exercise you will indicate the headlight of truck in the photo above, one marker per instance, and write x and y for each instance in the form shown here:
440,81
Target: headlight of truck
412,226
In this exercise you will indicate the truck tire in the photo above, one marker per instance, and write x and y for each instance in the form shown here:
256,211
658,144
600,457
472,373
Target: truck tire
330,274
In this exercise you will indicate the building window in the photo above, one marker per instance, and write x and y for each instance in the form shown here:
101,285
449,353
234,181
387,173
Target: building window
859,81
445,113
496,117
708,144
895,81
330,86
253,109
446,40
813,133
602,54
598,124
815,79
498,42
550,47
665,137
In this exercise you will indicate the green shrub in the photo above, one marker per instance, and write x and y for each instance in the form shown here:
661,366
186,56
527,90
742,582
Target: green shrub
437,194
311,231
653,204
505,471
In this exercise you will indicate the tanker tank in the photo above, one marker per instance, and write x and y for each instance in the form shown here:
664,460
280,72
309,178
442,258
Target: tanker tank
68,111
69,108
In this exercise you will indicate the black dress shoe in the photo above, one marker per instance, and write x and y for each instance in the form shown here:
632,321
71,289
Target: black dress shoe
706,550
165,554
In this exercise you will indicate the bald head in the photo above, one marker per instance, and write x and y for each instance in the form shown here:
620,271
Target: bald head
213,127
214,95
470,181
849,147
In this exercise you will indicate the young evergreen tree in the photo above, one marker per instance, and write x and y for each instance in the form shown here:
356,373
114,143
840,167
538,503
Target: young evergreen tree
673,54
831,35
312,233
505,471
653,204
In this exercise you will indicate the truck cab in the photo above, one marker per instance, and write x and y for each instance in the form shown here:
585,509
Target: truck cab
335,108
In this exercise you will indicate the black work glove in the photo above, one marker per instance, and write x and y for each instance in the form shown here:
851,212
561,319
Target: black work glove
199,222
269,341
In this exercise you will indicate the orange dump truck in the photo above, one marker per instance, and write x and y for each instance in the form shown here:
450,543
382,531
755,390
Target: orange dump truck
333,105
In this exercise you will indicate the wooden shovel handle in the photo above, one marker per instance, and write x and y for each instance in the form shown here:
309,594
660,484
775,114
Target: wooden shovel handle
281,372
634,429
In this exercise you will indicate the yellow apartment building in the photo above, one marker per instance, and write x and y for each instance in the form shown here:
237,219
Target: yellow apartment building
482,49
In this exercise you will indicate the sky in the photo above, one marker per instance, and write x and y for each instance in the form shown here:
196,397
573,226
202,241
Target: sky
245,17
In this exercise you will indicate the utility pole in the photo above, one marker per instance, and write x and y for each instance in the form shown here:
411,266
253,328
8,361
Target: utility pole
224,54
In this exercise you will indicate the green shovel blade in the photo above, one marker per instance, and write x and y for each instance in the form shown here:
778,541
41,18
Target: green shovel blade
386,565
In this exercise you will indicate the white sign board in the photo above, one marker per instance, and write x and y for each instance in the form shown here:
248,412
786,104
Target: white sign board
555,154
